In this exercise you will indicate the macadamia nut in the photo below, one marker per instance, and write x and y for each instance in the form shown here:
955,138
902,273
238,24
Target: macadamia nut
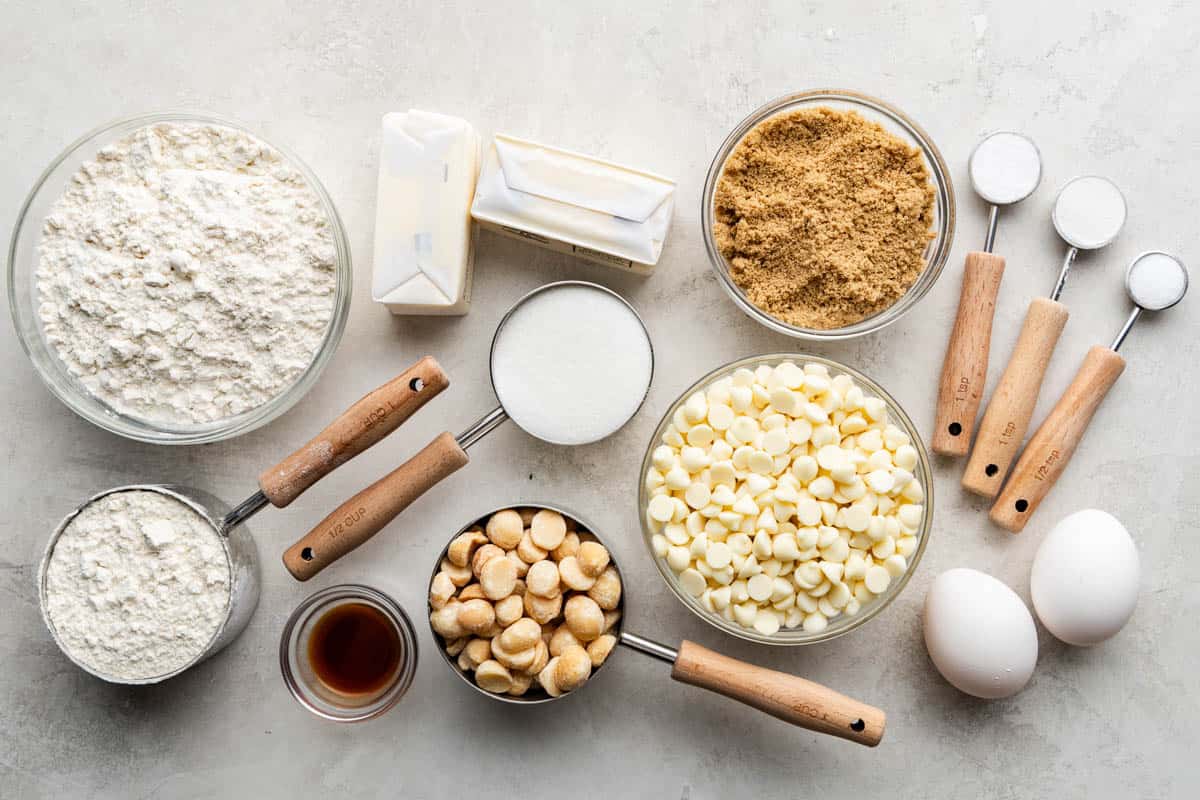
593,557
584,617
573,668
498,578
543,579
548,529
494,677
599,648
505,529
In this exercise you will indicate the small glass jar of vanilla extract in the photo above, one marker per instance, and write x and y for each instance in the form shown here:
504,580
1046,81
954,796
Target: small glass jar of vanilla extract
348,653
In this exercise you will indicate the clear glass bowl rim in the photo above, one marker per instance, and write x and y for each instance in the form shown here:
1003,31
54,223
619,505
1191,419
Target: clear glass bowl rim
944,203
796,636
90,408
394,611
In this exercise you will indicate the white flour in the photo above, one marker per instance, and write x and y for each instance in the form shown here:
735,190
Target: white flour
137,585
186,274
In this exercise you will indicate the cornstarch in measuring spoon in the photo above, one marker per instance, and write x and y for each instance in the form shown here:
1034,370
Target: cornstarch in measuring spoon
572,364
1089,212
1156,281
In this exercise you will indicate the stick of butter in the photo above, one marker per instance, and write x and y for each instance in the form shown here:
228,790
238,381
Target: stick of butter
576,204
423,248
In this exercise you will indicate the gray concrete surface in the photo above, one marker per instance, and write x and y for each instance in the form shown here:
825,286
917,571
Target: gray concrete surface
1101,89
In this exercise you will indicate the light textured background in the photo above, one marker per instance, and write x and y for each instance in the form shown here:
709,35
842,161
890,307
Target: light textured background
1101,90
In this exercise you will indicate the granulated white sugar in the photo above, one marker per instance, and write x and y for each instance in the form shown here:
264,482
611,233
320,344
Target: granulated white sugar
572,364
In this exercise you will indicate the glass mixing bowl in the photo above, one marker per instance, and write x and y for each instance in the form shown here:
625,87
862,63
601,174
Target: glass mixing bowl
895,122
842,623
23,296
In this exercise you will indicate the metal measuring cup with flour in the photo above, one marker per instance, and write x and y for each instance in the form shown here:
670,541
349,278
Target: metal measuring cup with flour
571,363
141,582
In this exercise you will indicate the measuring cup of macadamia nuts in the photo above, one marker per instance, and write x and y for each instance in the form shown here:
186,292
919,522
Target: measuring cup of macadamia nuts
527,604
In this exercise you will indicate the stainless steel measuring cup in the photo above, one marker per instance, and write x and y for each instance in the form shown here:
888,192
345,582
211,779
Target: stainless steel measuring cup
1005,168
369,511
362,425
1051,447
240,554
1009,410
787,697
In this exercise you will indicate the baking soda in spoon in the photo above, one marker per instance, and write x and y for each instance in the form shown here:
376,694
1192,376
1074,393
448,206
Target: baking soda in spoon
1005,169
572,365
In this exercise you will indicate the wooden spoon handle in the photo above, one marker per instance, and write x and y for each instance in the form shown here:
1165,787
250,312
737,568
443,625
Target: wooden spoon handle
368,512
964,372
788,697
1008,412
1050,449
360,426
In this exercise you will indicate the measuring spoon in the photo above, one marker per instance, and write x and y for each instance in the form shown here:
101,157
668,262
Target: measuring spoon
1005,168
790,698
557,357
1155,281
1088,214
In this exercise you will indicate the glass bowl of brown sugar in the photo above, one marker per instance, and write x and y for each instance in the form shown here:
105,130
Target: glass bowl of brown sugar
827,214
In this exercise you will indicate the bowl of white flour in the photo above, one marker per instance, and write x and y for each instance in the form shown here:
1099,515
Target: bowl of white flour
175,278
140,583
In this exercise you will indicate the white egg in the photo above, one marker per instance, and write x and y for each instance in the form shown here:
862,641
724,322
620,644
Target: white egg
1084,581
979,634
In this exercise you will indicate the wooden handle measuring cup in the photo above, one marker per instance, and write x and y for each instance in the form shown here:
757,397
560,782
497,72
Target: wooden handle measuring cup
787,697
1006,419
1051,448
362,425
964,371
368,512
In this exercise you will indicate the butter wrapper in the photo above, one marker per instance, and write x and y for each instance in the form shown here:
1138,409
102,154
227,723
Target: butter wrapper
423,246
571,203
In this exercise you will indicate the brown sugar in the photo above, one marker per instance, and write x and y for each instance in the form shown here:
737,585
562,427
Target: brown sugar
823,216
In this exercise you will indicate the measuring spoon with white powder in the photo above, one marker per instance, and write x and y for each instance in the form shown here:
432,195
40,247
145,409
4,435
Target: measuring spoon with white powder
1088,214
571,363
1155,281
1005,169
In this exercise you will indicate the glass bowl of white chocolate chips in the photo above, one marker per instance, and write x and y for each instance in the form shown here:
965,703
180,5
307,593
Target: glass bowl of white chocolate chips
786,499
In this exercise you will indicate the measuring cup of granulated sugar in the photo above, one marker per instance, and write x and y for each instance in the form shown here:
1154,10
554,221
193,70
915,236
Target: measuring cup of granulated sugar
793,699
1088,214
365,423
1005,169
571,363
1155,281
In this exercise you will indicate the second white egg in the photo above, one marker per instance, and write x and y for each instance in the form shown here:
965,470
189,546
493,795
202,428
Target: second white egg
1084,581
